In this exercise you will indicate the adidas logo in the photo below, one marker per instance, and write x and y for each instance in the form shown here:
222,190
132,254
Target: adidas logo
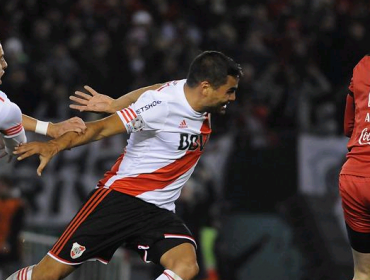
183,124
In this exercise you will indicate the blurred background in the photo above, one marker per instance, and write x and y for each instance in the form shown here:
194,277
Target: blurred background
263,202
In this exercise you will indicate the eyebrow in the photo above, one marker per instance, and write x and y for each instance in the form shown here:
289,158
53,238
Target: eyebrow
232,89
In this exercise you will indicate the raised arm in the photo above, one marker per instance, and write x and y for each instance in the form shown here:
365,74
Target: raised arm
95,130
100,103
53,129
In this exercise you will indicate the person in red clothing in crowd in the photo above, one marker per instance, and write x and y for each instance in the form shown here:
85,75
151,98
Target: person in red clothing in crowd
354,178
12,212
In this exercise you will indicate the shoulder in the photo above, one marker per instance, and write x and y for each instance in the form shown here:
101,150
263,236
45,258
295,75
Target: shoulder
151,101
362,66
10,114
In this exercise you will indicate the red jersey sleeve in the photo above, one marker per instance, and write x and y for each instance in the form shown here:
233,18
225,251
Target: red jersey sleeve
349,115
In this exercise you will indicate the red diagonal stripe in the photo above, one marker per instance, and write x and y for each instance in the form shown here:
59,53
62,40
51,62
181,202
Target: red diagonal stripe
80,214
124,115
83,218
132,112
13,130
168,276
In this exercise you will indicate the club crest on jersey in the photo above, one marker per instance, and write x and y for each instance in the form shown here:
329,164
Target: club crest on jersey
136,124
77,250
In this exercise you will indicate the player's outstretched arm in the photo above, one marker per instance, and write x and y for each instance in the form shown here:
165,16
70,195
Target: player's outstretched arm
100,103
53,129
96,130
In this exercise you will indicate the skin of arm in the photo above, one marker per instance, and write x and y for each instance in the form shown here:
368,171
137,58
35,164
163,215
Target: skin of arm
131,97
95,131
55,130
101,103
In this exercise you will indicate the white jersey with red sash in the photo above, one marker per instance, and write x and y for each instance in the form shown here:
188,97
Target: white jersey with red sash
167,139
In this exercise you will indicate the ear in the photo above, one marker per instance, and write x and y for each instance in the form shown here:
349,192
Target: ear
205,87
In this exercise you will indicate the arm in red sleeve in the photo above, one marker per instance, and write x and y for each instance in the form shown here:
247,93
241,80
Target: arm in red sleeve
349,115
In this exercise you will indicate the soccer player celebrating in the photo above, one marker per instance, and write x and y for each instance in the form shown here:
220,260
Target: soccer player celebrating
13,124
134,204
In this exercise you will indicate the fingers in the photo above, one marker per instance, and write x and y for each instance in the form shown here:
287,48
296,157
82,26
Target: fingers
91,90
43,163
77,107
79,125
23,155
82,95
24,151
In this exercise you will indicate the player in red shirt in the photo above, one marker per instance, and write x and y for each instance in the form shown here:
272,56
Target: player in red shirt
354,179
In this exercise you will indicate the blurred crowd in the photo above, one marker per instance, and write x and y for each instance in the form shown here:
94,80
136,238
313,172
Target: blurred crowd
297,55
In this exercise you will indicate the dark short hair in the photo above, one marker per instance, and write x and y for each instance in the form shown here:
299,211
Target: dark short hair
214,67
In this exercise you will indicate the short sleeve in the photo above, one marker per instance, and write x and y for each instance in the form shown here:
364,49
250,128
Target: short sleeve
11,119
149,112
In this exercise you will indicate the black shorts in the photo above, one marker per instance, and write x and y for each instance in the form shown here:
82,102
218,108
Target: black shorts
359,241
109,219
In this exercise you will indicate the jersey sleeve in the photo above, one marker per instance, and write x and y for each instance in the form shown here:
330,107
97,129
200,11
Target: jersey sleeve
11,121
11,127
149,112
349,115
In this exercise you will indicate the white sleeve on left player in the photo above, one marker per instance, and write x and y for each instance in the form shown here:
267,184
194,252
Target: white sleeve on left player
12,142
11,127
149,112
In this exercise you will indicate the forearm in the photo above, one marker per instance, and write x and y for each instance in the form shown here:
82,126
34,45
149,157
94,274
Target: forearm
73,139
28,123
131,97
95,130
34,125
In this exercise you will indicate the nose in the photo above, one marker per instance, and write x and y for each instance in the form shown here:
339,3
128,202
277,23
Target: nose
232,97
5,65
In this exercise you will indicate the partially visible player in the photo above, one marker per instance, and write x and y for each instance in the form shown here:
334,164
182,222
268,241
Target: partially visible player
134,204
354,179
13,123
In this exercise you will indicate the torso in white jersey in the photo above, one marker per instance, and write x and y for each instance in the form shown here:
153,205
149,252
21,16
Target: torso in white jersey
167,139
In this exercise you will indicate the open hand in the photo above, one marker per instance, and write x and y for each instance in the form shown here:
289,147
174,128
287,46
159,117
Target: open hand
92,102
45,150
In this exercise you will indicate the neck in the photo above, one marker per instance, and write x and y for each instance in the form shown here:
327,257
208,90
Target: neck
193,97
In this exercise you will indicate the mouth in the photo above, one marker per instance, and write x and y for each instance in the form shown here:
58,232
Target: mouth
222,109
